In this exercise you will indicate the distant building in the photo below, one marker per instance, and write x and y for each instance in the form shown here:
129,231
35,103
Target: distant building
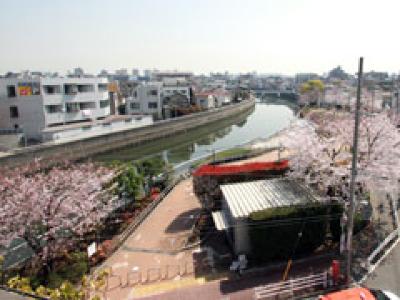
33,104
147,74
78,72
338,73
376,76
135,72
121,72
146,99
205,100
161,76
160,99
212,98
104,73
304,77
223,97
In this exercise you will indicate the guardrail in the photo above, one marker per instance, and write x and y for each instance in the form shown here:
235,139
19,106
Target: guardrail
391,238
291,286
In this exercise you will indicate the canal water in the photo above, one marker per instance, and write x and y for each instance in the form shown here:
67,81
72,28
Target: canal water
261,122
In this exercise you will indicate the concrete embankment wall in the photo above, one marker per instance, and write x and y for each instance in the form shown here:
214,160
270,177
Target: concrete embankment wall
79,149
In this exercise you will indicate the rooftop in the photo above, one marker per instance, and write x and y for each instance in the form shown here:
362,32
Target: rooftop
248,197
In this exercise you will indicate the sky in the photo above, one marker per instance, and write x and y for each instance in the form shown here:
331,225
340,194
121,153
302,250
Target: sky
266,36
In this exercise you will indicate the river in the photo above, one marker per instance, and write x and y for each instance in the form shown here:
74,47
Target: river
263,121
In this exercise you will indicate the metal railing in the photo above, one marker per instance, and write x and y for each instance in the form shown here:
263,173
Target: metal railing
291,286
373,258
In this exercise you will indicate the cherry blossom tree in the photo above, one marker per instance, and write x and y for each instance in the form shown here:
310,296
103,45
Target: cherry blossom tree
52,208
321,150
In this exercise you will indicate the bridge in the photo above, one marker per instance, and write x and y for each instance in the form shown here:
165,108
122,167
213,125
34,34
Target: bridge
287,94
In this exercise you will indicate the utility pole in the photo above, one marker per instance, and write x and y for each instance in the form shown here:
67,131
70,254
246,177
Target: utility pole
351,209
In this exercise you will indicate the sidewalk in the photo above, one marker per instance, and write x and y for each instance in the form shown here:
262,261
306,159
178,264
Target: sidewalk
237,287
150,249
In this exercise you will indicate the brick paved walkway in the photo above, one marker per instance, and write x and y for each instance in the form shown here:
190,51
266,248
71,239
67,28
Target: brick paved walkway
240,288
165,229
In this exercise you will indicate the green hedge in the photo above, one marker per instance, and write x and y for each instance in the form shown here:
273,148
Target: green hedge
274,232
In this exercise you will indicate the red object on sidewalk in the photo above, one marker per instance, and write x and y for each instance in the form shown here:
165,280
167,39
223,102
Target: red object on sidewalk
335,271
244,168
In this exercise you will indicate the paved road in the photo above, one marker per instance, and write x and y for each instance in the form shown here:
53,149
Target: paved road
4,295
387,275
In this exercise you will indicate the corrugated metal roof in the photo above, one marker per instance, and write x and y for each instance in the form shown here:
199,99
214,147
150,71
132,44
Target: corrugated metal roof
247,197
220,220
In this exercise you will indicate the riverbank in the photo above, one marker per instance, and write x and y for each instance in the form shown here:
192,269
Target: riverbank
75,150
184,149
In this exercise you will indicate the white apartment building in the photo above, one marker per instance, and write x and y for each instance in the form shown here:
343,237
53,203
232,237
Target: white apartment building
155,98
146,99
175,86
33,104
206,100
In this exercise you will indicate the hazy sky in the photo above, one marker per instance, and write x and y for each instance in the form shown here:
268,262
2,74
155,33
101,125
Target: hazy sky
267,36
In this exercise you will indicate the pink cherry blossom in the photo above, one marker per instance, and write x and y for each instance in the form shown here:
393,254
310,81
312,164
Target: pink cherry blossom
321,150
52,208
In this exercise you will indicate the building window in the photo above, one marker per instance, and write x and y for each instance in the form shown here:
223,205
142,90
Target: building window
51,109
135,105
104,103
14,112
102,87
70,89
11,92
52,89
85,88
152,93
87,105
152,105
72,107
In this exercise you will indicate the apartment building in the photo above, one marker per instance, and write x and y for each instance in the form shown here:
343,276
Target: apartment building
159,98
146,99
33,104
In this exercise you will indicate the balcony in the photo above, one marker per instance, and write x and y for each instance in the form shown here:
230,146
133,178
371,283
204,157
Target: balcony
86,97
55,118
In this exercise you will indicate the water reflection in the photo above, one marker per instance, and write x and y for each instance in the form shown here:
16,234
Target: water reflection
263,121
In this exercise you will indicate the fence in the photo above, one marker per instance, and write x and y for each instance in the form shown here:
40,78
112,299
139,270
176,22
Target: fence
151,275
291,286
375,256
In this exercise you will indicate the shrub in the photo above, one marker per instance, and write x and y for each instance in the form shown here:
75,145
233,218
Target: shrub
75,267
